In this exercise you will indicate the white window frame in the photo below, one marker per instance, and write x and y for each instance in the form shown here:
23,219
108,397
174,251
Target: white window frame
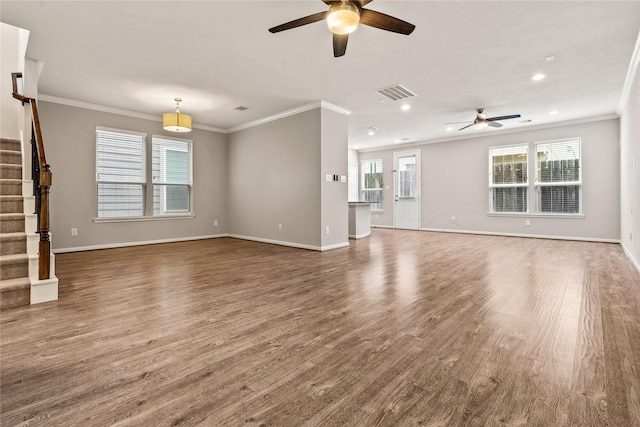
538,184
163,182
524,185
380,189
99,181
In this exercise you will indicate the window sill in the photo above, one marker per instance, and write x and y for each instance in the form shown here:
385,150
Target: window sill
143,218
536,215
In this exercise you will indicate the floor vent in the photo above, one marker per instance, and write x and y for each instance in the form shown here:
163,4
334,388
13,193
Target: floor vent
396,92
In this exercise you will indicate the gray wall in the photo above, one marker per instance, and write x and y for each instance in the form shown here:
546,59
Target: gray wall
455,183
274,178
630,173
69,135
10,108
334,160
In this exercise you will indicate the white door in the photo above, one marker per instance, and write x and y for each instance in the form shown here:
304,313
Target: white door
406,177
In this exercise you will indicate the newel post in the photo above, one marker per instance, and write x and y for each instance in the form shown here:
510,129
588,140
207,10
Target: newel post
44,247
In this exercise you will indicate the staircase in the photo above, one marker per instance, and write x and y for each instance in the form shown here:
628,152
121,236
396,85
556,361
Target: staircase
15,286
19,261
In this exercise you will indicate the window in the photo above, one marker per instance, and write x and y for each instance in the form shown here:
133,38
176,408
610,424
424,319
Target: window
407,177
120,173
372,183
558,177
171,159
508,179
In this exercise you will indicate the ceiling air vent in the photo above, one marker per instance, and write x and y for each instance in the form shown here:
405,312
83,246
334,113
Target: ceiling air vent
241,108
396,92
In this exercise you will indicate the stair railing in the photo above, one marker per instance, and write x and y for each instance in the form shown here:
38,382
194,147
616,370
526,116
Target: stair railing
41,175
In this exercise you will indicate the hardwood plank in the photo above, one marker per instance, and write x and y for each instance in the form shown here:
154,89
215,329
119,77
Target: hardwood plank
401,328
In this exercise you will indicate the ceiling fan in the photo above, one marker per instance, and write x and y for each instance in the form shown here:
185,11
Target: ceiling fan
343,17
482,121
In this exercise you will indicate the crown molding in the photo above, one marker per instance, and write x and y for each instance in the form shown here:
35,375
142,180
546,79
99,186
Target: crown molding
291,112
485,134
119,111
137,115
631,75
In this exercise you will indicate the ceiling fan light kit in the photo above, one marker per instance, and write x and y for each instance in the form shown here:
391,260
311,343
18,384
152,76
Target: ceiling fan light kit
343,18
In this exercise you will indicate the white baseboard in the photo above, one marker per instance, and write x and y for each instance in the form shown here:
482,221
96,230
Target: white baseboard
627,252
336,246
360,236
127,244
533,236
290,244
44,290
381,226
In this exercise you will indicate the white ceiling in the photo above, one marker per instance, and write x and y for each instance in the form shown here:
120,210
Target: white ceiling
217,55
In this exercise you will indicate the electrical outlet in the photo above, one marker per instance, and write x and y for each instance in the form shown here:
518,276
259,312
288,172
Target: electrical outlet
326,230
74,231
215,222
453,219
280,227
527,222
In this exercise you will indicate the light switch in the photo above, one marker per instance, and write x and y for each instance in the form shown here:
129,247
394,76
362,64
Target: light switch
328,178
343,178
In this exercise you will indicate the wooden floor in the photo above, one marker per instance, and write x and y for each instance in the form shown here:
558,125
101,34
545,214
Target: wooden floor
401,329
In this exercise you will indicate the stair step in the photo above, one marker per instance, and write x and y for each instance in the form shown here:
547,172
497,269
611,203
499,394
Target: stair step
11,204
14,266
12,223
13,243
10,157
9,144
11,187
8,171
15,292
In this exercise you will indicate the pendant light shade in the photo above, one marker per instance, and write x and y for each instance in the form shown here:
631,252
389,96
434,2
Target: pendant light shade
176,121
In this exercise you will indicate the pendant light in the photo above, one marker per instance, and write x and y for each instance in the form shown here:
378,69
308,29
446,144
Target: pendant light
176,121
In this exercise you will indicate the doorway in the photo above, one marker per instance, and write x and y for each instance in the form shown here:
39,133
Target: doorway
406,183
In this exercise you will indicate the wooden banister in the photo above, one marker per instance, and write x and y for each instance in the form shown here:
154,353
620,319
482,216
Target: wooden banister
42,176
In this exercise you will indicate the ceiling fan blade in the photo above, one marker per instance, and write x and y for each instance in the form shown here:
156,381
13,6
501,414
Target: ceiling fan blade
340,44
299,22
385,22
494,124
493,119
463,128
457,123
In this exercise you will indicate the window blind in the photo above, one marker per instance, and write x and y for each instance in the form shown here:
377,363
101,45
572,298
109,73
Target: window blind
508,182
172,175
559,177
120,173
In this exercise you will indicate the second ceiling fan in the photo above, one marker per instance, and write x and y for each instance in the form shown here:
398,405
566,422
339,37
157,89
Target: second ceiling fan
343,18
482,121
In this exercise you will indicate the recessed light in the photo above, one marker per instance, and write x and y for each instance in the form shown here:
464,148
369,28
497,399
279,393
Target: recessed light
449,129
406,107
549,58
355,147
554,112
371,133
396,141
538,77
